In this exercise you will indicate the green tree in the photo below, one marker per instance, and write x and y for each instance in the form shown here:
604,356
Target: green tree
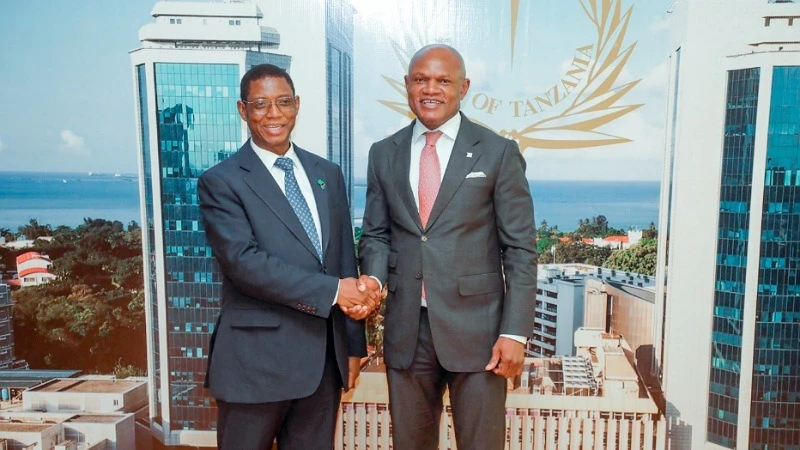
579,252
638,258
651,232
596,227
92,316
34,230
6,233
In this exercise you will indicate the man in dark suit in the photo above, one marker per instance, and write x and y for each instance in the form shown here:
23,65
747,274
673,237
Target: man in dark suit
449,227
278,221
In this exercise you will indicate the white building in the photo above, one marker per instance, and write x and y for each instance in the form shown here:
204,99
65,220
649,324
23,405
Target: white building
64,431
727,280
34,268
91,394
87,413
186,84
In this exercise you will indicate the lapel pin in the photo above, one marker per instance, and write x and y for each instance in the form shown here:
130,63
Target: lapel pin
321,184
469,154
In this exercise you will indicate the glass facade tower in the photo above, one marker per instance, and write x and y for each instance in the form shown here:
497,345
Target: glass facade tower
774,389
729,290
339,74
198,126
775,404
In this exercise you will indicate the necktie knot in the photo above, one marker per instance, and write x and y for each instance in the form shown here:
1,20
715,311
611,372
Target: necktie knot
432,136
285,164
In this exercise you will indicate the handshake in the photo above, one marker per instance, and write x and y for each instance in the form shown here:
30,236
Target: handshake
358,297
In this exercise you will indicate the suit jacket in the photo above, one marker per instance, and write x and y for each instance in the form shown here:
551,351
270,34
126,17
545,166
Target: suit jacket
480,229
270,340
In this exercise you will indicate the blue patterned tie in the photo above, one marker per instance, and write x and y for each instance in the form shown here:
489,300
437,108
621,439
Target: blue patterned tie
298,202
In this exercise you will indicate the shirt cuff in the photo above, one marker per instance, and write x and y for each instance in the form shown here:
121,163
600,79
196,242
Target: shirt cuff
336,297
521,339
380,285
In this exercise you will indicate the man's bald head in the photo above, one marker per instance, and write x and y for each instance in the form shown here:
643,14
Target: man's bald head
439,47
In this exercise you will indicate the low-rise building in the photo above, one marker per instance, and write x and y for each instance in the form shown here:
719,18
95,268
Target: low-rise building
87,393
34,269
24,243
87,413
64,431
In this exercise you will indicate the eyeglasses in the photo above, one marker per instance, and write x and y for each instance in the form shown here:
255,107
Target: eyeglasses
262,105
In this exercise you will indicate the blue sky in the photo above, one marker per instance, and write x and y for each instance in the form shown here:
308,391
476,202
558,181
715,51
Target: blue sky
68,97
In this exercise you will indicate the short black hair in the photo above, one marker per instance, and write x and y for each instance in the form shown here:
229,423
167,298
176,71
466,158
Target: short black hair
260,72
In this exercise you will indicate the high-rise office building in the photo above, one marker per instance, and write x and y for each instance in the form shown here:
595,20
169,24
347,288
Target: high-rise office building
186,81
728,287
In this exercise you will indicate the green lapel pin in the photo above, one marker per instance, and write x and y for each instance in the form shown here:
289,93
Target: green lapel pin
321,183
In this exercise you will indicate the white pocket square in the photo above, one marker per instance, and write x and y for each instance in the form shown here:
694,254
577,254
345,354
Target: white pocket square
476,175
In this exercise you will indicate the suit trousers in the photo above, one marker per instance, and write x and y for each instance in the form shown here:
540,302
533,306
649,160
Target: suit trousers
301,424
477,401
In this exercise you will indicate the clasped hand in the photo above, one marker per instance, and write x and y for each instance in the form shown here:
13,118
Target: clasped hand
358,297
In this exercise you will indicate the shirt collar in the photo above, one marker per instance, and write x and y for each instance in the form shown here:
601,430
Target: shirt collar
449,128
269,158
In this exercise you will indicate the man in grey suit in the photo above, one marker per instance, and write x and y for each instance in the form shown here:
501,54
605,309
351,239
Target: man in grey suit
278,222
449,228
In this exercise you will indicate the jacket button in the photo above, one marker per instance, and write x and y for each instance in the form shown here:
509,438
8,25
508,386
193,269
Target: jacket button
418,275
424,238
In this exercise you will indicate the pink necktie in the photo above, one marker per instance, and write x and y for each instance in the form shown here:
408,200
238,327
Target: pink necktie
430,179
430,176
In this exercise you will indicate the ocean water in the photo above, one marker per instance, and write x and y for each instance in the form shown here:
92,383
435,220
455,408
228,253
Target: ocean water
624,203
68,198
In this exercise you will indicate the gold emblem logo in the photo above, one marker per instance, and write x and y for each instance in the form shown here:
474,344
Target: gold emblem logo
590,88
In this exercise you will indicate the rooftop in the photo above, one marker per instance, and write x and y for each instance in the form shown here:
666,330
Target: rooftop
25,425
87,386
206,9
30,378
98,418
573,271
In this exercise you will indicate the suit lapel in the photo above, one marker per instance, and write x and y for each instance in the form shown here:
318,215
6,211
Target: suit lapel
264,186
316,173
399,166
457,168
